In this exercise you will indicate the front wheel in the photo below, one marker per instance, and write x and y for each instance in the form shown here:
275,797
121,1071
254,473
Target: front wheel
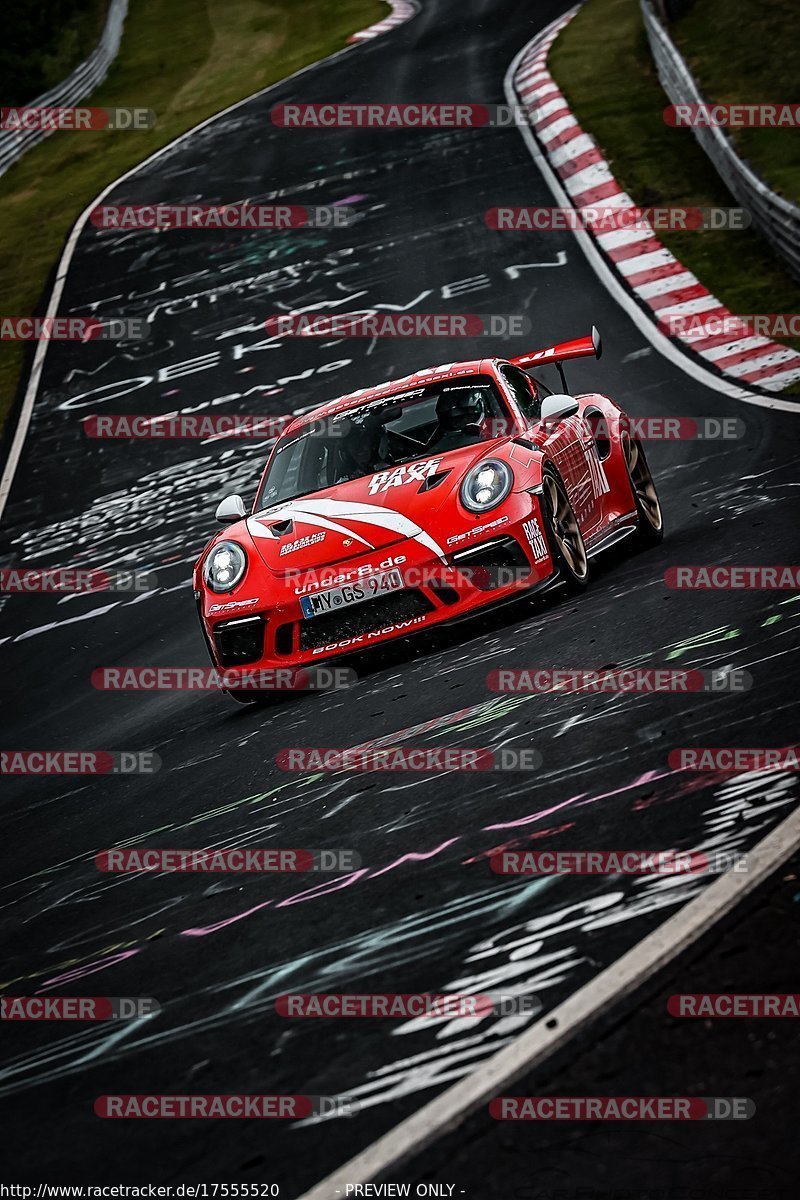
564,534
650,522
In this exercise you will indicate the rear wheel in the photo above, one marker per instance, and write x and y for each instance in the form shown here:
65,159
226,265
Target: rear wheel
564,534
650,522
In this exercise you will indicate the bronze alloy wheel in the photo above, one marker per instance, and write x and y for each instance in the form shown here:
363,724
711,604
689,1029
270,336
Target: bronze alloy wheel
648,508
566,539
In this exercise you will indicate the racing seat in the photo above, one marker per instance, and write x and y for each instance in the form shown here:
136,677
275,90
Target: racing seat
459,415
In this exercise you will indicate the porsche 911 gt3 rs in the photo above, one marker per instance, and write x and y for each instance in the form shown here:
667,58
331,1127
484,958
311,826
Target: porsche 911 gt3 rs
418,501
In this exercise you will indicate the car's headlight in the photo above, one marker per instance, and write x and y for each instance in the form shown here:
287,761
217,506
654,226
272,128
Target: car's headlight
225,566
486,485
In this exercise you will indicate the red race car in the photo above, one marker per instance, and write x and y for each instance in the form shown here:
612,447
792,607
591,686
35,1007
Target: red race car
418,501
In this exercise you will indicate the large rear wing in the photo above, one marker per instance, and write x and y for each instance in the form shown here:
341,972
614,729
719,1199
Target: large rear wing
583,347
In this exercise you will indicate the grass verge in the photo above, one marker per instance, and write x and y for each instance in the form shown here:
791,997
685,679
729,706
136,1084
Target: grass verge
749,53
186,59
603,65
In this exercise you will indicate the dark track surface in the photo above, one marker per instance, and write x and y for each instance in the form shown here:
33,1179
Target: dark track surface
425,913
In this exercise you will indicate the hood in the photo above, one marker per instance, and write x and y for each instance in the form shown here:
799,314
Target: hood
349,519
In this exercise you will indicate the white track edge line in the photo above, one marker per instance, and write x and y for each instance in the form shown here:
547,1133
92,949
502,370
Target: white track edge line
551,1033
658,340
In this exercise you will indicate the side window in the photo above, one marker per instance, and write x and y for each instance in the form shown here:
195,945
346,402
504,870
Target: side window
524,390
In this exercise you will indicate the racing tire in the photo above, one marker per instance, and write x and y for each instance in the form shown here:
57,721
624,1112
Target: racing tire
649,518
564,536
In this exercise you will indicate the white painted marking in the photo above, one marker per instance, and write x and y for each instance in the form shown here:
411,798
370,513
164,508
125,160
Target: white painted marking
646,262
572,149
663,287
767,360
26,411
728,348
557,127
590,177
558,1027
623,237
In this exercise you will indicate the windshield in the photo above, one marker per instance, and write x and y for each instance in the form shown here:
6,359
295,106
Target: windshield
420,423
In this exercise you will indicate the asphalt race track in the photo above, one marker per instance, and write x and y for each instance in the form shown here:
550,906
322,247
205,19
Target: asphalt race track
424,912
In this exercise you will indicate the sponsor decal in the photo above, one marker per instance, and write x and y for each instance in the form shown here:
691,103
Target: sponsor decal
318,583
536,539
302,543
416,472
361,638
233,605
476,532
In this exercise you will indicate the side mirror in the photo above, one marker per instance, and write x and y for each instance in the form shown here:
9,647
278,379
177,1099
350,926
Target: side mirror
231,509
556,408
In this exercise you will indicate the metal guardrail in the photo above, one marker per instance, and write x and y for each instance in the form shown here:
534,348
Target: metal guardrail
777,218
76,87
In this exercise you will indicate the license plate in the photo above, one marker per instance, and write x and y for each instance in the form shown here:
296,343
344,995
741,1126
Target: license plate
351,593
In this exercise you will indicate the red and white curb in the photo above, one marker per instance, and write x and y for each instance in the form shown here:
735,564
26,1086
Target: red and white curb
402,10
645,267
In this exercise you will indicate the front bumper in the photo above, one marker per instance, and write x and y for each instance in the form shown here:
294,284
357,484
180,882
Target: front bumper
500,556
